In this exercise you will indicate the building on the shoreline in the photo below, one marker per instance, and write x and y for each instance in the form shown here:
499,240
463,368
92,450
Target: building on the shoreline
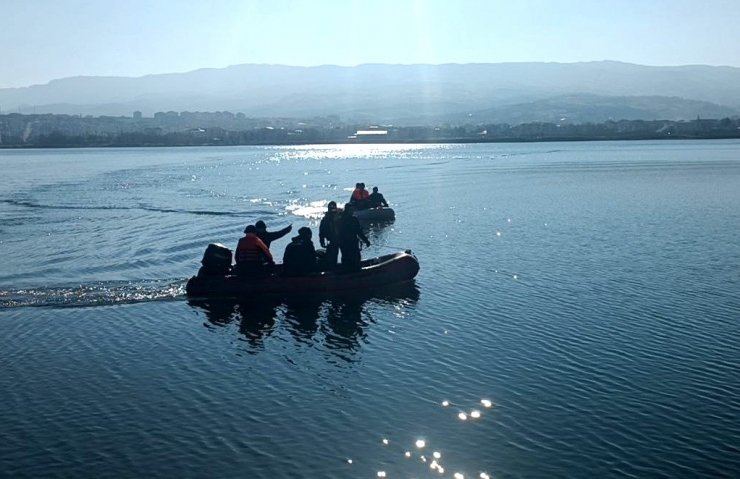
373,134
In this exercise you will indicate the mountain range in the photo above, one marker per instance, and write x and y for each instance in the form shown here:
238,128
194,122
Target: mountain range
404,94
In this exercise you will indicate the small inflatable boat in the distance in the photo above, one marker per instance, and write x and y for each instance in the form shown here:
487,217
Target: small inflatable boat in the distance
374,273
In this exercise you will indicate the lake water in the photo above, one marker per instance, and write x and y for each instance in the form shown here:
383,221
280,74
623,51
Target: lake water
590,291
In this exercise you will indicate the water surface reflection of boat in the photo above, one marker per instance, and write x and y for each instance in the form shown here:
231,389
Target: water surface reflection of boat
337,320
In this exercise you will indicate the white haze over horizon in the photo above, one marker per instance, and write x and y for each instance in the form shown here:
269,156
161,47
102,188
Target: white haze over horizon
43,40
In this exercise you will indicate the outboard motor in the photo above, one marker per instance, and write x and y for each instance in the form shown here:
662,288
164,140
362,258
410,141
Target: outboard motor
216,261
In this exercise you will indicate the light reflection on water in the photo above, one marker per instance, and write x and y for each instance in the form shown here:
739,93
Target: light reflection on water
399,461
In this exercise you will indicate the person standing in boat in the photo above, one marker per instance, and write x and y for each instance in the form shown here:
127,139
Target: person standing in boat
376,199
359,197
253,257
299,258
329,236
350,235
268,237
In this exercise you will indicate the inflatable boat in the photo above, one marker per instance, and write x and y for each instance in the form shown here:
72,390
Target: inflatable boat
375,214
374,272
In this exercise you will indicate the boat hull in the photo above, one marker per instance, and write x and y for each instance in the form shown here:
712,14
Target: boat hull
375,214
376,272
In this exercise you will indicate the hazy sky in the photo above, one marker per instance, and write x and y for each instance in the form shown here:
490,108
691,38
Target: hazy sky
41,40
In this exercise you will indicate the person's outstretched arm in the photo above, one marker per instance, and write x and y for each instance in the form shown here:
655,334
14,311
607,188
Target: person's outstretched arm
275,235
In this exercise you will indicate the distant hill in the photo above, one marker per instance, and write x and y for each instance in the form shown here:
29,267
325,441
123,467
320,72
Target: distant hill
405,94
598,109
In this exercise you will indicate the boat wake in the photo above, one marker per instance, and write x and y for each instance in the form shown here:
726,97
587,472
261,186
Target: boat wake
139,207
94,294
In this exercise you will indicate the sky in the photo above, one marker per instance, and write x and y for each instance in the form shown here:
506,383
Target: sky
43,40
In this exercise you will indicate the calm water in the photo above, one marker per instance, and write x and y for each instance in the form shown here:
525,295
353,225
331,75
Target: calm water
590,291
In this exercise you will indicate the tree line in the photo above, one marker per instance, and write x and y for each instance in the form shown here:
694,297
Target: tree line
59,131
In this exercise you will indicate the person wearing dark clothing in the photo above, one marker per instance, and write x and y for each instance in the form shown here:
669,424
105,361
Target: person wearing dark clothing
299,258
253,257
268,237
350,234
329,235
376,199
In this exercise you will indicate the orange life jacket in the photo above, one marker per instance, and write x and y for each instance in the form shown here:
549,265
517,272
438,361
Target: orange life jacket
252,249
360,194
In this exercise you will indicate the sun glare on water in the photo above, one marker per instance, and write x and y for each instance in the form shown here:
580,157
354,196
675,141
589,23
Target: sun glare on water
340,152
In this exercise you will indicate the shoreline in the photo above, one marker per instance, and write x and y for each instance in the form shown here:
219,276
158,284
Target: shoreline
424,141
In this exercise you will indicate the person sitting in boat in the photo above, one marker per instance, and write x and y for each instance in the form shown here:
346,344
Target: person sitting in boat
359,197
329,236
350,234
299,258
376,199
253,257
268,237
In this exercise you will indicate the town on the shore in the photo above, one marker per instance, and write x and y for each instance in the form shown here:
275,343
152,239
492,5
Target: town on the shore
226,128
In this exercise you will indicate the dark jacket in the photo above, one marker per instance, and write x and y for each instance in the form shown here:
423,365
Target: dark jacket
377,199
328,228
350,231
299,258
268,237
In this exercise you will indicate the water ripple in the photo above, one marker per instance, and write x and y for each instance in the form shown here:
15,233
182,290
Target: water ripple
34,205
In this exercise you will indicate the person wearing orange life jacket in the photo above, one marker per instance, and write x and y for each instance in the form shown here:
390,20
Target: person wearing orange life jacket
253,257
360,197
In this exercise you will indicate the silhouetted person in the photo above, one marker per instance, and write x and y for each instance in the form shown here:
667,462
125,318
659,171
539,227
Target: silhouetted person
350,234
376,199
299,258
268,237
253,257
329,235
